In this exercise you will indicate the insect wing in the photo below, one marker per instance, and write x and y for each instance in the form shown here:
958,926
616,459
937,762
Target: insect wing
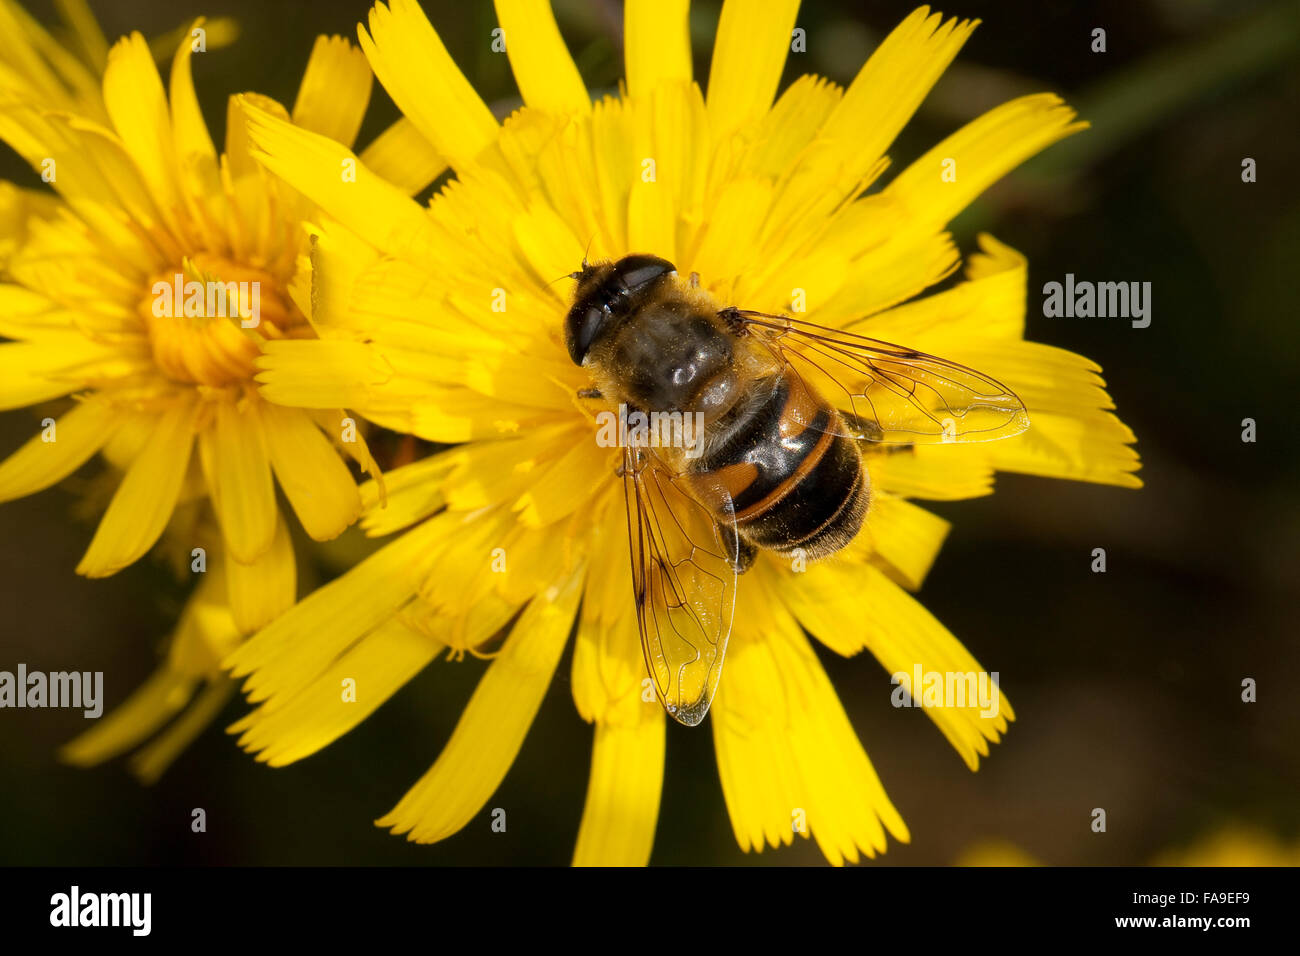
889,393
683,579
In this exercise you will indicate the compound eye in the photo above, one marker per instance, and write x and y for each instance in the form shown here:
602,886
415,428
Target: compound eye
582,330
634,272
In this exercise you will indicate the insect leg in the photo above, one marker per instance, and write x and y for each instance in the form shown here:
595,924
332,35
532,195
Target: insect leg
739,552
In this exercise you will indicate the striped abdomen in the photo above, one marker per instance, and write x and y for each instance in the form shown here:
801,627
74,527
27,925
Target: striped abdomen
793,485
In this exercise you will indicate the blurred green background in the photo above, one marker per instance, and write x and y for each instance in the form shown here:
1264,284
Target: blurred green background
1126,685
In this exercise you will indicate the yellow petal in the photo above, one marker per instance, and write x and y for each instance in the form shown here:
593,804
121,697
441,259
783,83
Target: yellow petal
568,484
494,724
990,305
609,670
889,274
415,68
18,207
656,44
1091,447
335,90
456,415
313,164
40,61
164,694
350,442
195,152
609,587
378,665
206,631
652,219
238,469
290,652
740,209
27,375
237,159
890,86
934,473
99,176
263,590
338,257
322,373
627,763
978,155
850,608
129,439
468,629
221,33
152,761
547,241
39,464
627,772
489,472
904,538
544,71
144,500
403,157
414,492
315,480
748,58
1072,433
133,93
787,755
794,122
466,570
29,315
85,29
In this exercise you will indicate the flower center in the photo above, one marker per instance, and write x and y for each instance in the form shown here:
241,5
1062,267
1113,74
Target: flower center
207,317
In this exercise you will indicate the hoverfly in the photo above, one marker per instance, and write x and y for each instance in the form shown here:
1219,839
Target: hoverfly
784,405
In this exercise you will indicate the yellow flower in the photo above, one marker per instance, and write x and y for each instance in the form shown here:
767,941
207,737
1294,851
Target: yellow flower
64,72
188,689
147,292
995,852
144,196
1233,844
446,322
61,76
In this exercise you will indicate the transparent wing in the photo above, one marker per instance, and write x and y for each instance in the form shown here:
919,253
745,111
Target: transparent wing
888,393
684,582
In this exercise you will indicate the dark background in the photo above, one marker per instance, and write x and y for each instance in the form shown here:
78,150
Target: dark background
1126,684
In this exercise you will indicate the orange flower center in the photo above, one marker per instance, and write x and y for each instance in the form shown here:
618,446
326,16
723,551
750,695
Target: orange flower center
207,318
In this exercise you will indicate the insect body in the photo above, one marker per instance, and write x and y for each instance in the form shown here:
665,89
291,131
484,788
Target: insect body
783,405
794,480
